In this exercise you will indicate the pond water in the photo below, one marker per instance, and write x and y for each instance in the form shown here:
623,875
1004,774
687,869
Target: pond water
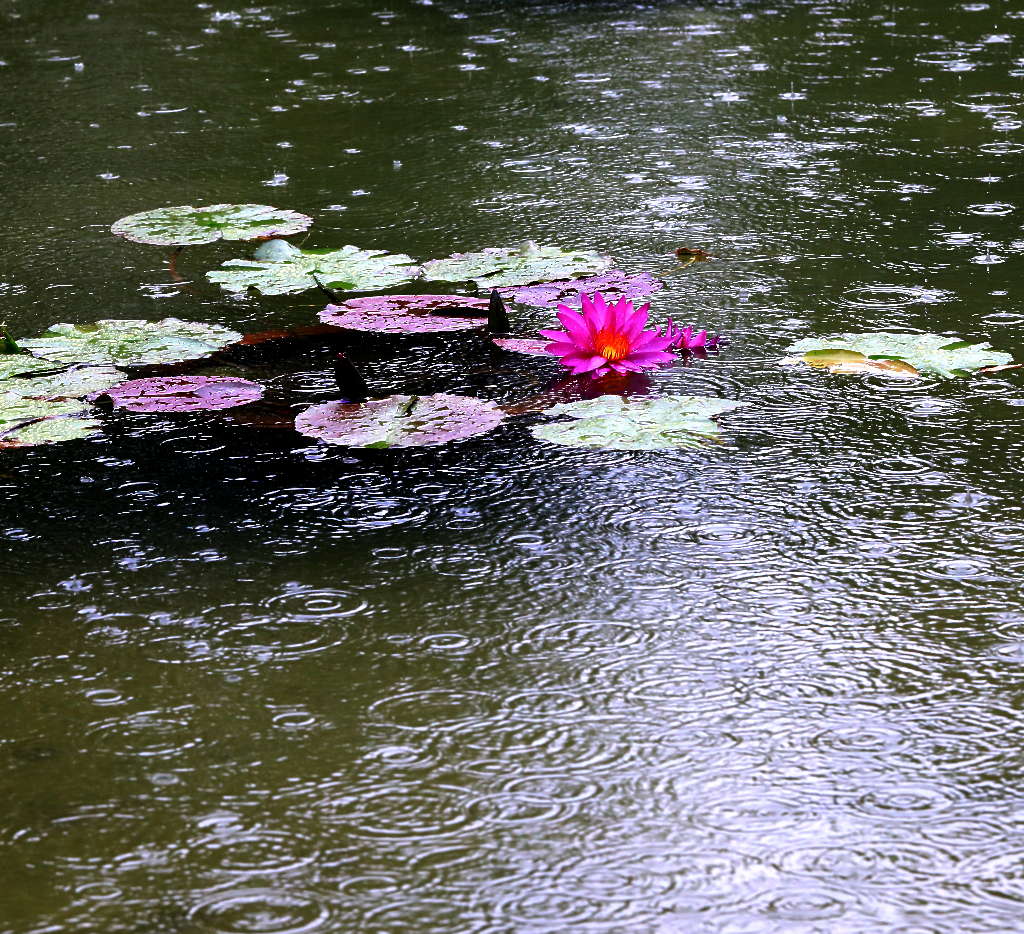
252,685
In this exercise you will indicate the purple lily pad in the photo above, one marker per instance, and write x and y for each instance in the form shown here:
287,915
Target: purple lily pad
534,347
406,314
184,393
614,284
400,421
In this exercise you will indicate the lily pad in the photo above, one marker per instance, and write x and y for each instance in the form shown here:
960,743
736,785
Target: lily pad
498,267
531,346
349,269
184,393
407,314
616,423
400,421
20,363
76,382
933,354
188,226
126,342
25,421
613,285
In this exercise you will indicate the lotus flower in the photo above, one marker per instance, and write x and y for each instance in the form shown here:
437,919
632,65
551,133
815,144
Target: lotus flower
605,338
685,339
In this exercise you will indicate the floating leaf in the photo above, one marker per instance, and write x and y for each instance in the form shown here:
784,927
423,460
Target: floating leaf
849,361
893,353
636,424
76,382
349,269
407,314
17,364
184,393
274,251
188,226
531,346
400,421
127,342
613,284
25,421
496,267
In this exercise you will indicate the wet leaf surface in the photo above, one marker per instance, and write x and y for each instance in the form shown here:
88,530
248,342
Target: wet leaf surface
184,393
407,314
531,346
497,267
348,269
613,284
17,364
126,342
898,354
188,226
400,421
636,424
26,421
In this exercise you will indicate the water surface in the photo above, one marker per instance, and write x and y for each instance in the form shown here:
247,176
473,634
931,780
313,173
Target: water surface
774,686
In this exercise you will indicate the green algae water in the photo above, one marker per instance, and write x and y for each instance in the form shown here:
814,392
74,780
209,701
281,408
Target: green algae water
250,684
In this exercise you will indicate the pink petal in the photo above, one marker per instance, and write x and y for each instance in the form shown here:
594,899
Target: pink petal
651,357
582,362
575,324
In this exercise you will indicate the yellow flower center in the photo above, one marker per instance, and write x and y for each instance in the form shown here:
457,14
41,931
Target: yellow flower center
611,345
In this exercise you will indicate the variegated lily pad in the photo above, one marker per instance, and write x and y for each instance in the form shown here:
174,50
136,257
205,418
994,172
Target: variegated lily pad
498,267
636,424
184,393
407,314
127,342
188,226
896,354
613,285
349,269
400,421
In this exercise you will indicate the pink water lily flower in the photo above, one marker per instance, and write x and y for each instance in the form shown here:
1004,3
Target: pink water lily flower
605,338
685,339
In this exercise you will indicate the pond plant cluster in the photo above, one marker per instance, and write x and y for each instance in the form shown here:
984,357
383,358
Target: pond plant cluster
55,387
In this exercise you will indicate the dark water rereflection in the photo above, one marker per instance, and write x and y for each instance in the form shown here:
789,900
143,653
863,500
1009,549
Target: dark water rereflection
253,687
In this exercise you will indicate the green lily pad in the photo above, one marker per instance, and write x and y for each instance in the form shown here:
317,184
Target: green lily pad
498,267
126,342
18,364
25,421
400,421
68,384
188,226
898,354
349,269
616,423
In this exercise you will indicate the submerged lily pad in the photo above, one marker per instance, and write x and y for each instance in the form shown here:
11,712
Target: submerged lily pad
349,269
898,354
25,421
407,314
127,342
613,285
184,393
188,226
636,424
400,421
497,267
